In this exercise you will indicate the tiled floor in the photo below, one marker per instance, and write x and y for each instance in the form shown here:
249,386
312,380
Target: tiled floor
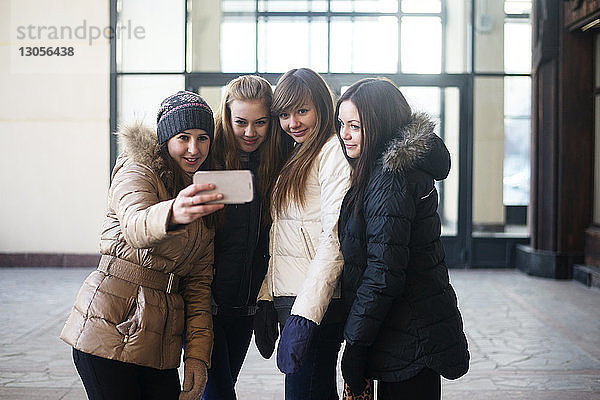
529,338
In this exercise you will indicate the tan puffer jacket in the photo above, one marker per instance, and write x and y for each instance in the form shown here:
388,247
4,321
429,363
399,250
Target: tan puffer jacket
150,321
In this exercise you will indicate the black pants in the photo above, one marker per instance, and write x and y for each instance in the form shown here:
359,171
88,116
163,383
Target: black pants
106,379
425,385
232,339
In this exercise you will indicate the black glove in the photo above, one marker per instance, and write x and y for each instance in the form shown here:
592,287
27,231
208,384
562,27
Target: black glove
354,367
265,328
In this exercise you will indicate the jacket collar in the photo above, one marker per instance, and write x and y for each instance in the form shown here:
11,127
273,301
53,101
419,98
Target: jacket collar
140,145
416,146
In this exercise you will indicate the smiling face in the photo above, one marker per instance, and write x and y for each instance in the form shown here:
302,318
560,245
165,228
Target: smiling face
350,128
299,122
189,149
250,123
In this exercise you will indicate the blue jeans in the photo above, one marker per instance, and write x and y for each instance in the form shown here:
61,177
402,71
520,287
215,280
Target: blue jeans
316,379
232,339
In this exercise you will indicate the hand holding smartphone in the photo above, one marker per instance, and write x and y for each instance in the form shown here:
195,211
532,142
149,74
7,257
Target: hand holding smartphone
236,185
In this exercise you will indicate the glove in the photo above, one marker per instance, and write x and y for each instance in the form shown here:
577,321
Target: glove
354,367
294,342
265,328
194,379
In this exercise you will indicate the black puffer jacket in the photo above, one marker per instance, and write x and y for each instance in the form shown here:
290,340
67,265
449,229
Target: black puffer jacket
241,254
395,281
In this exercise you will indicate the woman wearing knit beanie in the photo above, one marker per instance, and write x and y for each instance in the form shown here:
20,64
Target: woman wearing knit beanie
153,281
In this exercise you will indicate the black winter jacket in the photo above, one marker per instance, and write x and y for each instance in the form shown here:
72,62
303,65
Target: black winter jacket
395,285
241,254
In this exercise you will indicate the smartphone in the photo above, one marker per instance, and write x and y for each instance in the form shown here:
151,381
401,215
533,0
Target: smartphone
236,185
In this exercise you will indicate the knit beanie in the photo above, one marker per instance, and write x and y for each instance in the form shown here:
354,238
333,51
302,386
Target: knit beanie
181,111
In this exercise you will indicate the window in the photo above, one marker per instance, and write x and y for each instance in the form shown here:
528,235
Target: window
465,62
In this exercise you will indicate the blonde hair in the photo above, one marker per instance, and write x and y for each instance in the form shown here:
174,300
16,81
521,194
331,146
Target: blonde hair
293,89
226,149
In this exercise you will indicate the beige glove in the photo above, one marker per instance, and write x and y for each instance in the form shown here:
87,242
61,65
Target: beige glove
194,379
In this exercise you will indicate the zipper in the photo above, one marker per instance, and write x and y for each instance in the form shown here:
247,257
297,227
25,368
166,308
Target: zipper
307,243
251,259
271,251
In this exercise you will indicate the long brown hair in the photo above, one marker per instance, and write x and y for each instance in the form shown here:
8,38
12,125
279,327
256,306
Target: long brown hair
227,153
382,110
293,89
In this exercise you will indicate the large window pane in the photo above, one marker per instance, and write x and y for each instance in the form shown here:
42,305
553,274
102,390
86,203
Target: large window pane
159,44
383,6
517,99
448,188
238,5
501,147
421,45
488,155
421,6
517,6
517,133
238,44
517,46
140,95
285,43
296,5
516,162
424,99
364,45
457,36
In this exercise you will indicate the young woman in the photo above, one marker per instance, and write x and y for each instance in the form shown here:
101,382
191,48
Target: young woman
403,327
245,138
305,258
127,324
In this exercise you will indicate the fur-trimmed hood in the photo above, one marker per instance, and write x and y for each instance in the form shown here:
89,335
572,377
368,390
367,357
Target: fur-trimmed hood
140,145
416,146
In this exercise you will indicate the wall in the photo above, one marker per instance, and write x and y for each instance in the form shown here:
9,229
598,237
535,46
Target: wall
54,128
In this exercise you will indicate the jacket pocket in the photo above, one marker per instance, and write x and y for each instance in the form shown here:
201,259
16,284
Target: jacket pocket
131,320
308,247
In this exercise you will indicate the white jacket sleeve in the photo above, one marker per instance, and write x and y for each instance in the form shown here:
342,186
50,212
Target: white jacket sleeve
326,266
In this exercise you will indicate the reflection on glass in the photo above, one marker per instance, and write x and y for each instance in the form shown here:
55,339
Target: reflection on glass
516,162
517,133
153,25
517,46
364,45
517,96
285,43
421,6
517,6
421,45
383,6
238,44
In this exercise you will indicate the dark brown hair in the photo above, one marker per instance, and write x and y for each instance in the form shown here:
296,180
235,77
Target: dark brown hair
382,110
